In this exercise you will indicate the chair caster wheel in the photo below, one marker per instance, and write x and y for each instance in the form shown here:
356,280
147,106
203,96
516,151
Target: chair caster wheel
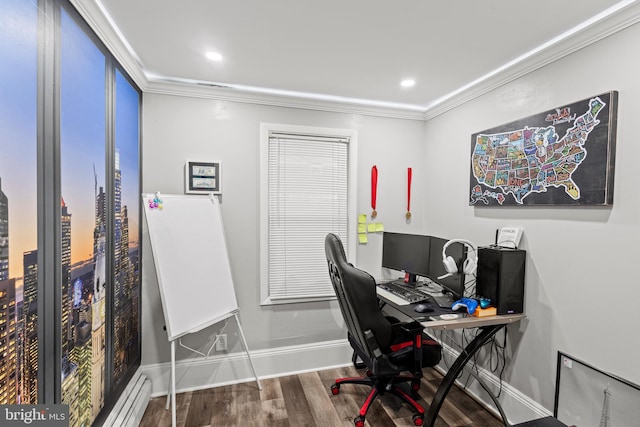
335,389
359,421
418,420
415,385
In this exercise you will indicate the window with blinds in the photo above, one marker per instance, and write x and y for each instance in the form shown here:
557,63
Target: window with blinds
307,193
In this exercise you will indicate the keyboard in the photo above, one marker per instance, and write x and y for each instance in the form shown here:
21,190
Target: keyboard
406,293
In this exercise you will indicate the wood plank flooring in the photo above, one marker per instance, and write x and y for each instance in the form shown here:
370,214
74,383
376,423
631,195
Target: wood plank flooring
305,400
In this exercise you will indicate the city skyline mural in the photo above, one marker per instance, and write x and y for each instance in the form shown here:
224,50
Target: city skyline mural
18,204
85,182
126,287
99,230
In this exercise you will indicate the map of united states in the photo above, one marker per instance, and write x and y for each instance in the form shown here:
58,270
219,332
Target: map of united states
529,160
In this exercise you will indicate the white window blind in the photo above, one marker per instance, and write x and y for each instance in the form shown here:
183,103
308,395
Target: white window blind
307,198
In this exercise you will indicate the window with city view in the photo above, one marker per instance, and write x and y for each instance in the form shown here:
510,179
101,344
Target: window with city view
18,203
126,184
84,223
93,131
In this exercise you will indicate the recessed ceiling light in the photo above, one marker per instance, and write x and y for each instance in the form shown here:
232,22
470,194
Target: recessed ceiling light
408,83
214,56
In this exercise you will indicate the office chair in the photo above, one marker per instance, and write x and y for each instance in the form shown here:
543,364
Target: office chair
392,352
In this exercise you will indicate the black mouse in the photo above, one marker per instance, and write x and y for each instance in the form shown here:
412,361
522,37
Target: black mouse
422,308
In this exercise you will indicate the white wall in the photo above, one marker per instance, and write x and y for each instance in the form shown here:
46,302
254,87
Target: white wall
581,288
177,128
581,294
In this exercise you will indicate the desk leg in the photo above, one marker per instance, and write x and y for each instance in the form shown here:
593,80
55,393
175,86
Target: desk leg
449,379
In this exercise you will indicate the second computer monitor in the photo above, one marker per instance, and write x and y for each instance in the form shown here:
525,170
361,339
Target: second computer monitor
406,252
454,283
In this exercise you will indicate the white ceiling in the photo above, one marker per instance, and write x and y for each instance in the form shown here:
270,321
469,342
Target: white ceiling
355,49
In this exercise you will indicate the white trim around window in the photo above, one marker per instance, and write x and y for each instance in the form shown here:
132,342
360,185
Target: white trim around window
312,232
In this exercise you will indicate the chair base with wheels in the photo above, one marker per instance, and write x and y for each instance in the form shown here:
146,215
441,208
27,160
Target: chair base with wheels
379,388
391,383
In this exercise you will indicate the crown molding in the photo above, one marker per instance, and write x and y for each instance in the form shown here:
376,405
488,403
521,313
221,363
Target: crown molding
213,91
617,18
92,12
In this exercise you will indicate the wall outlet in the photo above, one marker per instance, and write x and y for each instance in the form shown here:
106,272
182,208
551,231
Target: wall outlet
221,343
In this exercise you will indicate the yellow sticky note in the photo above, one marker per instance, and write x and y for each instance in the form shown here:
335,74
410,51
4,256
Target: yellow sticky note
362,218
362,238
371,227
379,227
362,228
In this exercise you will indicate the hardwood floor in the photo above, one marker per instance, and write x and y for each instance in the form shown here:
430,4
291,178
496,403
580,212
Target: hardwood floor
306,400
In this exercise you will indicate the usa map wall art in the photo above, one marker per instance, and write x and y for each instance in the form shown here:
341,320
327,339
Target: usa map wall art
564,156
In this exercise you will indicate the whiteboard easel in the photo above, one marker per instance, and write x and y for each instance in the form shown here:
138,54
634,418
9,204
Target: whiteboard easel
192,266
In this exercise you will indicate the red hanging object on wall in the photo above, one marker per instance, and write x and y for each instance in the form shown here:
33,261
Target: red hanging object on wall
374,190
409,176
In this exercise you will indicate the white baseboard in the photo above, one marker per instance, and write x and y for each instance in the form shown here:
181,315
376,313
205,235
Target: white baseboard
200,373
130,407
214,371
517,406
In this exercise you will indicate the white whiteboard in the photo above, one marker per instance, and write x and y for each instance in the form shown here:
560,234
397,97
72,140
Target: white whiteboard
191,260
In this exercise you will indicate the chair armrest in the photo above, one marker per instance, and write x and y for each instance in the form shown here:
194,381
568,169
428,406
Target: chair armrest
372,343
381,363
413,328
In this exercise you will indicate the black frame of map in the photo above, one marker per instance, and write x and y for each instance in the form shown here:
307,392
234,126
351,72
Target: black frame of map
563,156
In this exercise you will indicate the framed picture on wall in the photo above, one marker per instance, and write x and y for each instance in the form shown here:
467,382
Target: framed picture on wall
203,177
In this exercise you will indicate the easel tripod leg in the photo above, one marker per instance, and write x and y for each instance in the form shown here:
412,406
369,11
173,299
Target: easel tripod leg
244,343
172,384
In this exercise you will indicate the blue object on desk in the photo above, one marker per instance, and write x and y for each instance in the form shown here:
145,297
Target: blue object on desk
469,303
485,302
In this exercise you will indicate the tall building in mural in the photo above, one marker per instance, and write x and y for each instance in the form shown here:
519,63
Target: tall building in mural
75,331
97,341
65,223
18,321
29,361
125,283
70,390
8,327
81,354
4,235
8,342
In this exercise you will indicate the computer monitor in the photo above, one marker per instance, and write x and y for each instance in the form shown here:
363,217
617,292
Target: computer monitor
406,252
454,283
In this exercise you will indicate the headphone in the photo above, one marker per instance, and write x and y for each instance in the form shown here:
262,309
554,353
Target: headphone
469,264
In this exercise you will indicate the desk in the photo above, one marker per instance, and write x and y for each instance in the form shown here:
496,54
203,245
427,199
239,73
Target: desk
489,326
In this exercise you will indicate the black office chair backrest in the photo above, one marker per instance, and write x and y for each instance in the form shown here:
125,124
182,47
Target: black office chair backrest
356,292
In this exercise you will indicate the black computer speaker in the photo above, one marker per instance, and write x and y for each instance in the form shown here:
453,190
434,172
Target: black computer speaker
500,277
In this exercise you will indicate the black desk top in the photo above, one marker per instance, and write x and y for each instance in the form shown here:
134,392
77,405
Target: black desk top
431,320
408,309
